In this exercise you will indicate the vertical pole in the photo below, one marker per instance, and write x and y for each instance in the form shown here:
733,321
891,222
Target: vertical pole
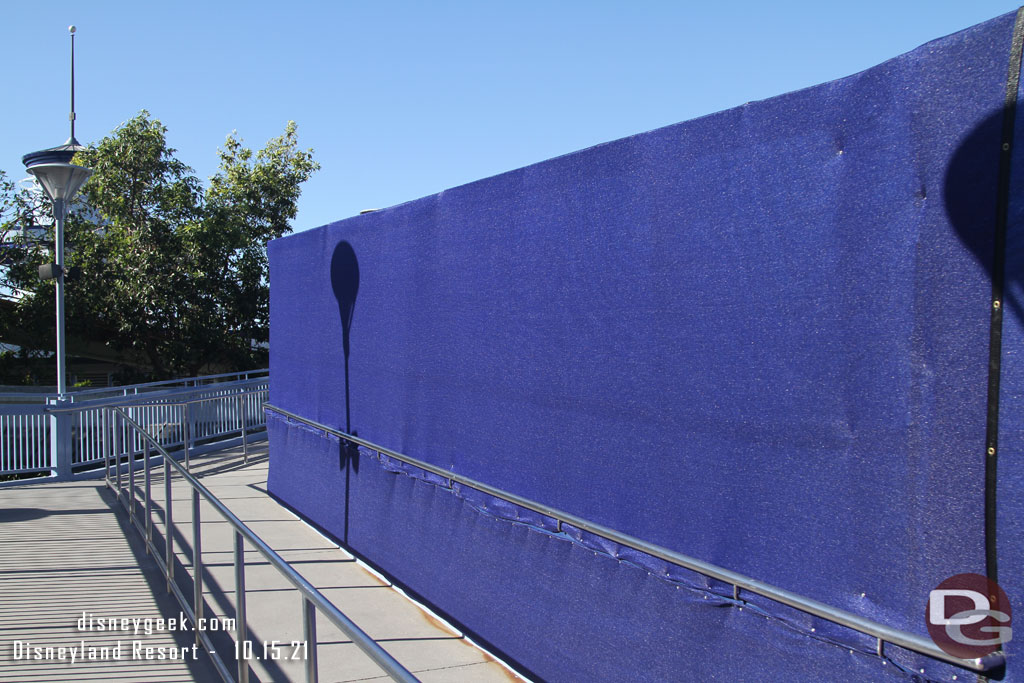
72,140
309,630
117,451
149,506
131,477
60,440
188,434
197,563
58,216
241,629
245,441
169,527
105,443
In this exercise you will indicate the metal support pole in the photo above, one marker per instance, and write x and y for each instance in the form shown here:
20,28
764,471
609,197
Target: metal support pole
169,528
106,447
117,451
60,440
197,563
187,430
58,215
131,481
309,631
149,506
245,441
241,629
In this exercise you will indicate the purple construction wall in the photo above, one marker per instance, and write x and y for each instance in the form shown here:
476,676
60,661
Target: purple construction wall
760,338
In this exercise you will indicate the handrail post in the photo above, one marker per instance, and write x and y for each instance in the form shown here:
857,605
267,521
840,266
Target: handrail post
149,506
117,450
197,563
169,527
245,441
309,631
106,446
186,430
241,629
60,440
129,437
131,481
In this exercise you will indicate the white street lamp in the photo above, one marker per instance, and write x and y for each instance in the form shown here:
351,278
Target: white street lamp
60,182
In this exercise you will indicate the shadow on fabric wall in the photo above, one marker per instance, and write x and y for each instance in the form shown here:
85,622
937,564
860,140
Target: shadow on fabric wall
345,284
971,196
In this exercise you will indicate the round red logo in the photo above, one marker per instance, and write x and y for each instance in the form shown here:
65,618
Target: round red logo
968,616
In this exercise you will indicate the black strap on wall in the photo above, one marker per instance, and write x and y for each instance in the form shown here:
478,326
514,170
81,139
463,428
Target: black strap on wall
998,280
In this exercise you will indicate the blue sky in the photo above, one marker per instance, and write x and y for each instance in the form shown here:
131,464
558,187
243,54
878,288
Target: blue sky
404,99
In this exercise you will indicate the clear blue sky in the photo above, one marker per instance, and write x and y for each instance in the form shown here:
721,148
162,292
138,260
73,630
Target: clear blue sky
404,99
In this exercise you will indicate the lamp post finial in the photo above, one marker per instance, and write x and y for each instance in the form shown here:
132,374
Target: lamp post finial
72,140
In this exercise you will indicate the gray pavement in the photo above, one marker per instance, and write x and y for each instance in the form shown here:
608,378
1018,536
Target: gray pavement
65,551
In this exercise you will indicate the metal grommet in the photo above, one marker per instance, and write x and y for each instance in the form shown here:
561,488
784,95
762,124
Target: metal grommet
996,305
991,450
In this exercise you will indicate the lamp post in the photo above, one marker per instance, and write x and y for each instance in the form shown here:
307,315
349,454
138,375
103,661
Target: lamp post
60,180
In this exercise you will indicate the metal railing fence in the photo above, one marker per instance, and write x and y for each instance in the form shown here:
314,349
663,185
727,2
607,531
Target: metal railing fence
312,599
883,634
30,395
73,437
24,439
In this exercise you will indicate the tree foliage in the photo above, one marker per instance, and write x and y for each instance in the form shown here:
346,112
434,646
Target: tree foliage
18,264
173,274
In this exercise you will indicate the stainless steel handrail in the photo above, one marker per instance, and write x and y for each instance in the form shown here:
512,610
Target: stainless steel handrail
154,399
312,599
166,402
245,375
198,382
882,633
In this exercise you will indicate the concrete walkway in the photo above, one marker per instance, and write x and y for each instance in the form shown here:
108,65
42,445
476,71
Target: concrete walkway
64,550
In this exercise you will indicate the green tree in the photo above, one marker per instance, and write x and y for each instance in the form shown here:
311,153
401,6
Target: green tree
20,254
173,275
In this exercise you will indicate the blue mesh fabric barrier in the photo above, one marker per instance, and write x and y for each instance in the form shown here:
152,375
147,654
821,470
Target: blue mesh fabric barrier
759,338
1010,493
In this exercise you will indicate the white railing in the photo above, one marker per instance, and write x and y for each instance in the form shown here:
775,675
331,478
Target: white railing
33,395
69,438
24,439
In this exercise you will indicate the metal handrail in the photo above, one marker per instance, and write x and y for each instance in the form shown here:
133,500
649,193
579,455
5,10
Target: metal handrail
312,599
154,399
243,375
66,439
165,401
882,633
184,382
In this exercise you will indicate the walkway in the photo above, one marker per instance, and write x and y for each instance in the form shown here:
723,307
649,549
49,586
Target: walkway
64,551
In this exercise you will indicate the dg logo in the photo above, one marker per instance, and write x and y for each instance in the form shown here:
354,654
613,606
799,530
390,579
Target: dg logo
968,616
